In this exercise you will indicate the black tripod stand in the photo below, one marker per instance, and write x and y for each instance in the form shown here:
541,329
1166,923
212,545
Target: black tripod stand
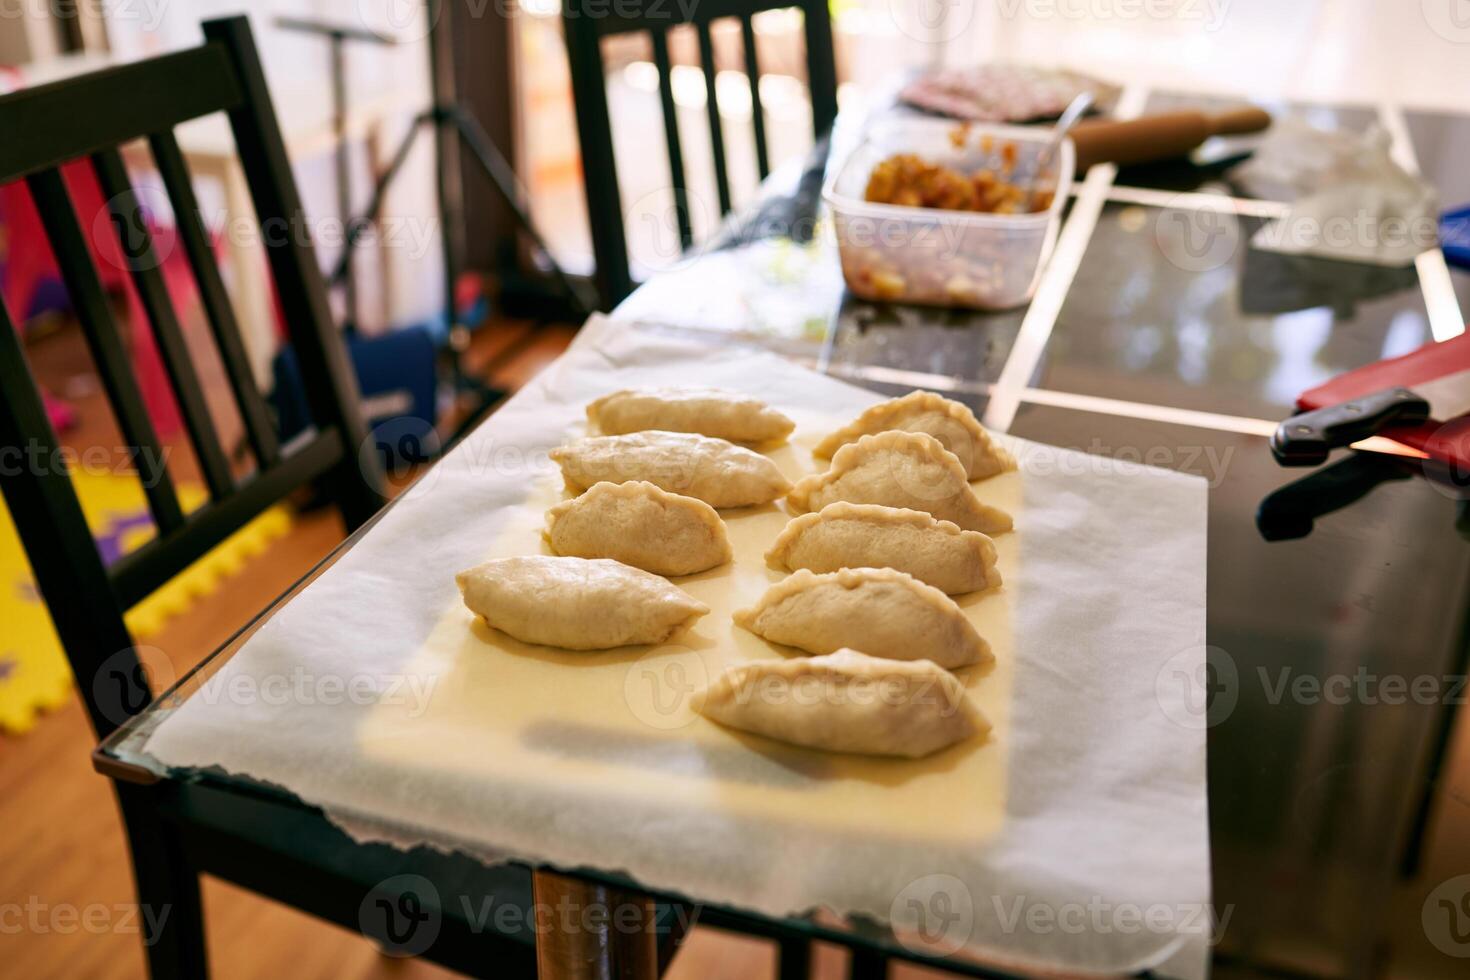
453,126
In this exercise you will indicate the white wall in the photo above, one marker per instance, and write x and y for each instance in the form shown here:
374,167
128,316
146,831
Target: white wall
26,33
399,278
1415,52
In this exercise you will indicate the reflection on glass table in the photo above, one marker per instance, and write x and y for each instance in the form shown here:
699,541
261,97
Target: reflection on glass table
1174,307
1441,143
957,351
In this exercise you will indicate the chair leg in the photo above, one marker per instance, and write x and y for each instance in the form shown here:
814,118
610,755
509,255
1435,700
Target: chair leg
586,933
868,965
170,911
793,958
677,920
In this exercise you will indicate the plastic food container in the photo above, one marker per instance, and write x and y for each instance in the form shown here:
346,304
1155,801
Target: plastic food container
945,258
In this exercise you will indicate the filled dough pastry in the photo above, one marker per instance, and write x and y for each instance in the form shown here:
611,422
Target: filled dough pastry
640,525
900,469
952,423
576,603
846,702
886,613
847,535
717,472
707,411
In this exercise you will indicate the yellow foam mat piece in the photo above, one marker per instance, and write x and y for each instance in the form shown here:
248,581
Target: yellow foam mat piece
34,674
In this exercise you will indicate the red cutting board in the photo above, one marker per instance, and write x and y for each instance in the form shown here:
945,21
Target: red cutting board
1447,440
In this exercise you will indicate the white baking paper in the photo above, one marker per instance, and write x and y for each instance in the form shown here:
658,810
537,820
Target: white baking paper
1075,837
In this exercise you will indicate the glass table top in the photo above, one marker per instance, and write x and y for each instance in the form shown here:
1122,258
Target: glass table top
1330,817
1173,307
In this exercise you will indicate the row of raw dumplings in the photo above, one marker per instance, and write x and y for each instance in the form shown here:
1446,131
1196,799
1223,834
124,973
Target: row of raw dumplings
896,529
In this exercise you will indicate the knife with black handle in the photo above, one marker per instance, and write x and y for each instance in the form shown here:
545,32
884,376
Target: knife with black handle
1306,439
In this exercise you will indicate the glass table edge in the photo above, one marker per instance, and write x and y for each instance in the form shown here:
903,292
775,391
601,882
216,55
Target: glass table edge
123,745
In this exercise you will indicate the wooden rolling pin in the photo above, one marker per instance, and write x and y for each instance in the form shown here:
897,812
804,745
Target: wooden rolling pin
1161,137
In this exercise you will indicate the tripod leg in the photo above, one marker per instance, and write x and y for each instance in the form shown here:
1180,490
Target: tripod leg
356,226
344,170
450,184
496,167
500,172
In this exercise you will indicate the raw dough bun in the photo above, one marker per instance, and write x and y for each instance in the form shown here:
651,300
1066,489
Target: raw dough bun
949,421
640,525
707,411
900,469
847,535
846,702
886,613
576,603
720,473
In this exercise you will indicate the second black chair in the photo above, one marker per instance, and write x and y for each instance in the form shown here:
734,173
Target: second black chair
588,22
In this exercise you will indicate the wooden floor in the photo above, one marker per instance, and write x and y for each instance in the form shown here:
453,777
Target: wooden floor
65,881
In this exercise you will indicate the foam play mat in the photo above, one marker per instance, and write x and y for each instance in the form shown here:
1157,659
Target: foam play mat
34,674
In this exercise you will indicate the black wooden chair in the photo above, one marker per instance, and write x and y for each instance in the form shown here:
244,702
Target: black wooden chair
177,830
587,22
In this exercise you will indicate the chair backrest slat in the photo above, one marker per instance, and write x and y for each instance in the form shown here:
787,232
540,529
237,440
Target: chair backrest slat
821,65
112,106
53,530
671,137
214,300
59,219
599,163
712,108
334,395
136,242
629,16
757,110
138,574
586,22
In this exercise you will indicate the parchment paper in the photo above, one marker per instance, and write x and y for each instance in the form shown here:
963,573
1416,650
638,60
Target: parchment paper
1074,836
